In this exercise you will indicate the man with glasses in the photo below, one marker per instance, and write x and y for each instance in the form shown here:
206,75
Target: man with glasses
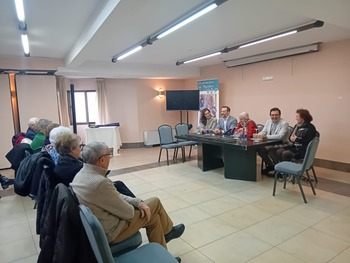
275,128
121,216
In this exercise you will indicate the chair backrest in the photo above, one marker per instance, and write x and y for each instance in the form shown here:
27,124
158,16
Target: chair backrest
96,235
260,127
181,129
165,134
310,153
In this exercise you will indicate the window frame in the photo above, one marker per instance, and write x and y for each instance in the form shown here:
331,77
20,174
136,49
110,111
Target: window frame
88,122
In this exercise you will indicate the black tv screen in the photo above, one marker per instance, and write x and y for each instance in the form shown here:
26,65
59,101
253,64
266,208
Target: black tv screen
182,100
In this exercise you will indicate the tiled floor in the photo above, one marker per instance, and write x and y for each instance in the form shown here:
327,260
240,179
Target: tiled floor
226,220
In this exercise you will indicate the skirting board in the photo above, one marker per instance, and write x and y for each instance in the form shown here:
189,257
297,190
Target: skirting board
334,165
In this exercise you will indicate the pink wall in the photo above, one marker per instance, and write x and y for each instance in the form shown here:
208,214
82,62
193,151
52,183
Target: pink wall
317,81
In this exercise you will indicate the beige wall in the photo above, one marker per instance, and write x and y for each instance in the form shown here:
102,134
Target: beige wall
135,105
318,81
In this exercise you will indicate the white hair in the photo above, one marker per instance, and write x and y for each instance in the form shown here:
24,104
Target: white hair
57,131
244,115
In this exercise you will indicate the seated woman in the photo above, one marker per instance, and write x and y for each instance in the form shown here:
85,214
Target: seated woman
303,132
245,125
44,126
53,134
70,163
207,121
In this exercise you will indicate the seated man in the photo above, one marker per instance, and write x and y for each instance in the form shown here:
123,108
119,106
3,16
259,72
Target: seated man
226,122
121,216
275,128
245,125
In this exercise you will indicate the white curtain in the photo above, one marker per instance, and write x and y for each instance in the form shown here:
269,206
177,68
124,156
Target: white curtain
61,84
101,102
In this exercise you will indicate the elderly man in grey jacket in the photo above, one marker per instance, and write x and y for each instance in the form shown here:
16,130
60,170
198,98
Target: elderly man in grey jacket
121,216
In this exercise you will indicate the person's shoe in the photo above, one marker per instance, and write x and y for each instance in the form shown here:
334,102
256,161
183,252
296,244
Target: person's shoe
178,259
267,170
176,232
5,182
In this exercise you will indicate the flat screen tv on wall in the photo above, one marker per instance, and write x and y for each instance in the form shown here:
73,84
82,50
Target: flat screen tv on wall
182,100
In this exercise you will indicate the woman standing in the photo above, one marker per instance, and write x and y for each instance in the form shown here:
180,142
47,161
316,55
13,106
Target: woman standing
207,121
303,132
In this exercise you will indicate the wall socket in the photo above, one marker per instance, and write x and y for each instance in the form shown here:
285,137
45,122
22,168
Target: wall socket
267,78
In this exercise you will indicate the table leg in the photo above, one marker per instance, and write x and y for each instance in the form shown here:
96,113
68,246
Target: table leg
209,157
240,164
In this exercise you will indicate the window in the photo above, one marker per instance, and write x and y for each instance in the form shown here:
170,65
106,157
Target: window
86,109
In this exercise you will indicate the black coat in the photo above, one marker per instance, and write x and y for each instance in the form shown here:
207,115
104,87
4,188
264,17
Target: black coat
305,133
67,167
63,238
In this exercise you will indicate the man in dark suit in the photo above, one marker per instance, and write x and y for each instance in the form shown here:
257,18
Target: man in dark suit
226,122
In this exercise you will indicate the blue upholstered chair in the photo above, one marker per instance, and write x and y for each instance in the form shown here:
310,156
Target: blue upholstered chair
166,140
296,170
182,129
149,253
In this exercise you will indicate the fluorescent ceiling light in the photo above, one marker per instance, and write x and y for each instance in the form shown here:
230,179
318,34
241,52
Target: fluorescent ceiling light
268,39
25,44
187,20
20,10
189,17
315,24
202,57
272,55
132,51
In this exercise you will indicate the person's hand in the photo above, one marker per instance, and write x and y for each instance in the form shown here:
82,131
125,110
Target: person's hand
240,130
217,131
262,137
145,210
293,137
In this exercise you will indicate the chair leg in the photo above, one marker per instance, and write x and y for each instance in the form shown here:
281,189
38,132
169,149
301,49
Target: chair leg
301,189
284,181
175,153
311,184
160,154
183,154
189,155
314,173
262,166
274,184
167,157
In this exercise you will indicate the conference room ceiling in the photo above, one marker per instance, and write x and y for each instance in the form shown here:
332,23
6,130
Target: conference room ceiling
86,34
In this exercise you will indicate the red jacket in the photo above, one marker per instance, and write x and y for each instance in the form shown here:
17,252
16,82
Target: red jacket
251,128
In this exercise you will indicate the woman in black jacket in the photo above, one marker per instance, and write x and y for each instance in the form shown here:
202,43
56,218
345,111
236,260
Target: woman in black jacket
69,161
304,131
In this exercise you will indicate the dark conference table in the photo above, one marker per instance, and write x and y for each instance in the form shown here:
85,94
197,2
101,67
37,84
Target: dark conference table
238,156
